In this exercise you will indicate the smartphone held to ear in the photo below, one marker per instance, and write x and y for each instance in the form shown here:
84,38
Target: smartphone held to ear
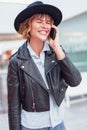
53,33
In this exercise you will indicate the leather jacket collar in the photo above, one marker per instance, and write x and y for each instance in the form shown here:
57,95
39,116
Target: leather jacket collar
23,52
29,66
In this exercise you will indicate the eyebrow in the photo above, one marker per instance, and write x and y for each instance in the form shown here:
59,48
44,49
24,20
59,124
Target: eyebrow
40,18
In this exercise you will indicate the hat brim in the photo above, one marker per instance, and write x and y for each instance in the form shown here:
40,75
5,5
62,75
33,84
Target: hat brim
52,11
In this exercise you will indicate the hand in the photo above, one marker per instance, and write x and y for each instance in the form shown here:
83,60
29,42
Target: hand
55,44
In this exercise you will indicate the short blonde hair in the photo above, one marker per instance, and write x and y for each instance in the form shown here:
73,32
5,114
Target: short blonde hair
24,27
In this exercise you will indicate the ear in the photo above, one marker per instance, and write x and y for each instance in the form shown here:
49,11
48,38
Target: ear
28,32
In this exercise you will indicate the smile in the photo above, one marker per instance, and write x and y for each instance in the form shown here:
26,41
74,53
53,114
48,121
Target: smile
43,32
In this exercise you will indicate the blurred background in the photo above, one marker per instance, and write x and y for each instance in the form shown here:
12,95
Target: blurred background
73,37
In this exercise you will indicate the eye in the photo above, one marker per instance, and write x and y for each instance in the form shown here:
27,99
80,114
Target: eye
48,22
39,21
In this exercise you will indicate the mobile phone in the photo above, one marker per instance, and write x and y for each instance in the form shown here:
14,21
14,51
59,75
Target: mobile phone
53,33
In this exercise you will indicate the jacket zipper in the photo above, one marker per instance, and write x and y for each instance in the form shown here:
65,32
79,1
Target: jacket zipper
33,98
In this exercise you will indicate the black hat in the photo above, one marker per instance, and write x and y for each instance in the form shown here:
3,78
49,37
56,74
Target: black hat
38,8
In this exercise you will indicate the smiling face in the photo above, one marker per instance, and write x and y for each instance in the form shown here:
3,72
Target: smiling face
40,26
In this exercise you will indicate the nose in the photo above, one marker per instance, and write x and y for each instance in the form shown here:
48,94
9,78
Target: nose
44,24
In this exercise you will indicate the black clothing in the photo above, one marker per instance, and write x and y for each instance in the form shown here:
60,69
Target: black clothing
26,85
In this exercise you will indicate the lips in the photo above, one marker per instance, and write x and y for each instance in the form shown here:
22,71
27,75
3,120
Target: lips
43,32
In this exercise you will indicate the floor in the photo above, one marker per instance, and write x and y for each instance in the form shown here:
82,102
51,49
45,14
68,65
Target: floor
76,116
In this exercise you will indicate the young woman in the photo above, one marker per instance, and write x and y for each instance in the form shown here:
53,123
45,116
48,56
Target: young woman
39,72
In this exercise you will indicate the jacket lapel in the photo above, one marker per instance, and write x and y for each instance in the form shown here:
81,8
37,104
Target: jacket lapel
50,62
31,69
28,65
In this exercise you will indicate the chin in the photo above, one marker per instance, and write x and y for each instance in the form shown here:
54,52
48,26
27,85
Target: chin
43,39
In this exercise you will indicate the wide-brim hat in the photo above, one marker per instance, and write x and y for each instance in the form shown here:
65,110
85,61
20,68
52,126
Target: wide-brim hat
38,8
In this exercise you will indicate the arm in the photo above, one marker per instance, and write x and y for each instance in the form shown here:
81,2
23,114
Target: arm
69,72
13,96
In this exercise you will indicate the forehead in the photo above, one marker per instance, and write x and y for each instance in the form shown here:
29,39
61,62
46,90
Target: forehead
42,16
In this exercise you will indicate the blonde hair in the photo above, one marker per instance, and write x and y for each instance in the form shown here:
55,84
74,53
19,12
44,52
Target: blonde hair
24,27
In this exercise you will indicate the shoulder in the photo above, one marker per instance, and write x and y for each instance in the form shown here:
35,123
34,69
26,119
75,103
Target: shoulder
13,57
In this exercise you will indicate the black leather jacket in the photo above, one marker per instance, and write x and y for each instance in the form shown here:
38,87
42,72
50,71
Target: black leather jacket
27,89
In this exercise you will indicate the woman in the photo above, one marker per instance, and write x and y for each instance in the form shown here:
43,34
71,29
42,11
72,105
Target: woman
39,72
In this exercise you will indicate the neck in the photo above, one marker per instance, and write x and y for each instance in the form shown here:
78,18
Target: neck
36,45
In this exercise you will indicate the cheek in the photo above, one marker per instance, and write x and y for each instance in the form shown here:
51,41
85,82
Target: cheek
33,29
49,30
33,32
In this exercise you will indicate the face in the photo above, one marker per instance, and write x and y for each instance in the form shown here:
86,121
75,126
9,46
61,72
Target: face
40,27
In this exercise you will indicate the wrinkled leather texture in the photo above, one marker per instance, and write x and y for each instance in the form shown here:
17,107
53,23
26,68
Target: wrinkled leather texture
25,83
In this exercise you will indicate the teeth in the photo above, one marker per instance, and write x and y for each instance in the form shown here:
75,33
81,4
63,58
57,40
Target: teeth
42,32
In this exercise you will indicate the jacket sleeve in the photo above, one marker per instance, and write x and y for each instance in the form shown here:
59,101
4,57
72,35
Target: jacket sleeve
14,106
69,72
